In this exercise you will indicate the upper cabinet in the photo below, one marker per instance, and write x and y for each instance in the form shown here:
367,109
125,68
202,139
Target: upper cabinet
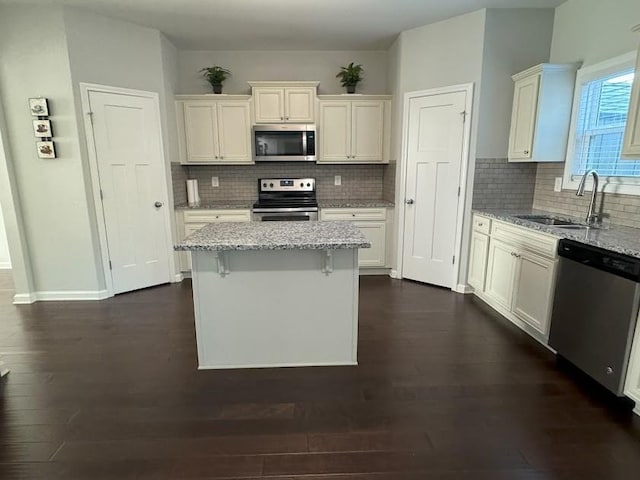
542,100
354,130
284,102
214,130
631,145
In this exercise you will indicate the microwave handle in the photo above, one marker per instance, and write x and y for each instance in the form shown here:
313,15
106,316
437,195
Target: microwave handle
304,143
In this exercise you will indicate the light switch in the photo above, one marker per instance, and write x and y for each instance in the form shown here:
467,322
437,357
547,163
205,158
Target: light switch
337,180
558,185
215,182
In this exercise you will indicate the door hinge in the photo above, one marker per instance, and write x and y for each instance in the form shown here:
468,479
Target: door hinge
458,191
101,195
90,116
464,116
110,266
454,260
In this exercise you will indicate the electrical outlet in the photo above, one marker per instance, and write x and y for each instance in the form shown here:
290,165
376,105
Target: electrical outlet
558,185
337,180
215,182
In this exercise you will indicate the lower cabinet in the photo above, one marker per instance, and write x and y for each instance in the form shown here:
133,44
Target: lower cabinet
190,221
632,383
520,274
372,222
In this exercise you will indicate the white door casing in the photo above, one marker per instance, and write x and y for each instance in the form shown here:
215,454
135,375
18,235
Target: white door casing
435,162
127,161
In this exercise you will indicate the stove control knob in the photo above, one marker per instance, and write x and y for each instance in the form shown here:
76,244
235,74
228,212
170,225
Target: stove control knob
264,185
271,185
308,184
302,184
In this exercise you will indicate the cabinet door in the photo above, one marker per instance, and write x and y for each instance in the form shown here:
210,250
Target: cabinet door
367,131
201,129
523,117
376,234
478,260
631,145
335,131
500,273
189,228
299,103
268,104
234,132
533,287
632,383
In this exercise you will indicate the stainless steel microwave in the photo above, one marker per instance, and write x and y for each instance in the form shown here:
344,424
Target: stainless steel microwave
284,142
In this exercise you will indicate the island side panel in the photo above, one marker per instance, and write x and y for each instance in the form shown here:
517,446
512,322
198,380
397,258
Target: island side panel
276,308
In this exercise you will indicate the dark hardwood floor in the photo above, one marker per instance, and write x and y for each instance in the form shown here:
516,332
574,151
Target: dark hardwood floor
444,390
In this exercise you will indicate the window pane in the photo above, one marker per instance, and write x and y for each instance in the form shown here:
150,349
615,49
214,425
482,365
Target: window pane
602,117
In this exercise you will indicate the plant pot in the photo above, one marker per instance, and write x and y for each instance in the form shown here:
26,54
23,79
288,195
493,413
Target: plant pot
217,88
351,89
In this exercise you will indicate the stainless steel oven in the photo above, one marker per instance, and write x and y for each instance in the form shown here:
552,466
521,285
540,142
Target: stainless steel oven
284,143
286,200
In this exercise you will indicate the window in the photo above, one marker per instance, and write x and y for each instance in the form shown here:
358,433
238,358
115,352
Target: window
603,93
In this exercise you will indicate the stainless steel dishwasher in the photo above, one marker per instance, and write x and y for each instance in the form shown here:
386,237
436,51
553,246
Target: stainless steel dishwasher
595,311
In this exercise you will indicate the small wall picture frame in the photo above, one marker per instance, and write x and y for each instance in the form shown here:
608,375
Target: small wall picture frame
46,149
39,107
42,128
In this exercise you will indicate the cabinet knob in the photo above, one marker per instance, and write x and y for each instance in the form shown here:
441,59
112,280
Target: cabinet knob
281,118
526,152
481,224
286,118
409,201
158,204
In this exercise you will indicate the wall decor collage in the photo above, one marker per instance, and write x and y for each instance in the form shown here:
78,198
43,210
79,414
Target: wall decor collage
42,127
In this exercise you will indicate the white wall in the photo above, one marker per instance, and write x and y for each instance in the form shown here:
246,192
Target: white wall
281,65
594,30
52,195
5,259
515,39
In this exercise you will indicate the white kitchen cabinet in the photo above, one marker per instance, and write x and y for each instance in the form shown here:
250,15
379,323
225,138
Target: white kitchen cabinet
520,273
214,131
354,131
501,270
541,114
190,221
632,382
631,144
533,290
284,102
372,222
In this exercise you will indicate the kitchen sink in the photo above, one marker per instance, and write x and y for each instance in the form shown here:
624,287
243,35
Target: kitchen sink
552,221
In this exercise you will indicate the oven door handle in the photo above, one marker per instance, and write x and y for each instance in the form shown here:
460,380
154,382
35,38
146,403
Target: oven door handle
285,210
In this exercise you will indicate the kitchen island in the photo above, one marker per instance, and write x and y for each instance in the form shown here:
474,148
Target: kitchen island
275,294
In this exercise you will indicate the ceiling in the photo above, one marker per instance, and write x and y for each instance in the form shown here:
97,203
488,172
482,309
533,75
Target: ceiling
286,24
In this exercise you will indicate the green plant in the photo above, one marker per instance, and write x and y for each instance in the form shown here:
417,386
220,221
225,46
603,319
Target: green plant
215,75
350,75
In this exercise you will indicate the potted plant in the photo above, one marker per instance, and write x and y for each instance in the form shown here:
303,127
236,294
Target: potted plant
350,76
215,76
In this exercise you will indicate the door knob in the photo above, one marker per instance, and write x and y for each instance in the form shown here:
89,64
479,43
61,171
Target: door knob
409,201
158,204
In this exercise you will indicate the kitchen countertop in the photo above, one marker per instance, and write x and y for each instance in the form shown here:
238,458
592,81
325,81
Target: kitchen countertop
625,240
346,203
228,236
217,206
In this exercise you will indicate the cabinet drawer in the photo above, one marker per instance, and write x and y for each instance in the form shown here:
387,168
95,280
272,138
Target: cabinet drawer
210,216
353,214
521,237
481,224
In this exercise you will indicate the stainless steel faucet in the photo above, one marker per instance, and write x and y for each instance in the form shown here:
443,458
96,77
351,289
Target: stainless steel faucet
591,217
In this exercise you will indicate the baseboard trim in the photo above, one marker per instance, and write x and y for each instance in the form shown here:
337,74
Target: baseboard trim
178,278
374,271
5,265
24,298
395,274
65,296
462,288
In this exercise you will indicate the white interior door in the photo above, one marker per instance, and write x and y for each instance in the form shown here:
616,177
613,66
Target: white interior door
126,131
434,162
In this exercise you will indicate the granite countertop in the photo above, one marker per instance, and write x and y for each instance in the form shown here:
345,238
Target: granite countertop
346,203
216,206
275,236
625,240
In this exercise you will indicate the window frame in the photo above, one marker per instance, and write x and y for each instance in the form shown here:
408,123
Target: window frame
610,184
